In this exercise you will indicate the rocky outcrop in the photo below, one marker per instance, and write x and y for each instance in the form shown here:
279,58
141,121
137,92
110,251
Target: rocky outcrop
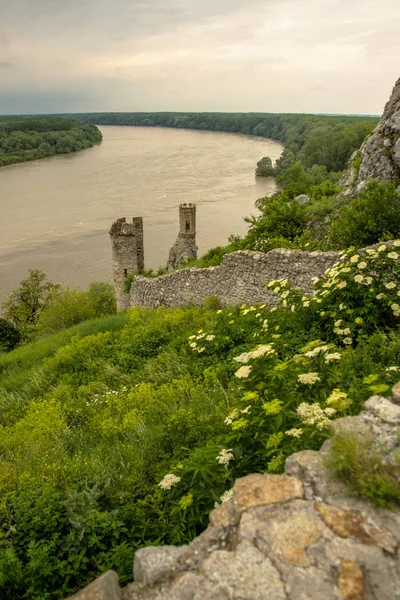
183,250
298,536
379,156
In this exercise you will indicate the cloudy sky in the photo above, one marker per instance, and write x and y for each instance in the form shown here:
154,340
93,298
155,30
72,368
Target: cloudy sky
331,56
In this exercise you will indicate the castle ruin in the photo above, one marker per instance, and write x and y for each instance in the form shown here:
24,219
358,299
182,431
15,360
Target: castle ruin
185,245
127,255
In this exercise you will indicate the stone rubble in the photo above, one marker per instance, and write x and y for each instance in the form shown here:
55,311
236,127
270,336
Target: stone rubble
298,536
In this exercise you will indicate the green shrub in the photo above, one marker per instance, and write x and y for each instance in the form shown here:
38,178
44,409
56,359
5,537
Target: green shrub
9,336
372,217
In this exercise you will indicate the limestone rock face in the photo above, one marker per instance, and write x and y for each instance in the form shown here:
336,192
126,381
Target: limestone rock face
380,154
184,249
298,536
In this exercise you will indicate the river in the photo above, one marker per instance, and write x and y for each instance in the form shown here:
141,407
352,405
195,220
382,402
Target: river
56,212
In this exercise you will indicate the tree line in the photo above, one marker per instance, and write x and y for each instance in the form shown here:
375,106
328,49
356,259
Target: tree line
29,138
310,139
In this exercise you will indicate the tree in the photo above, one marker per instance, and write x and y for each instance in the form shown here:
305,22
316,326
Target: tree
102,298
25,305
9,336
264,167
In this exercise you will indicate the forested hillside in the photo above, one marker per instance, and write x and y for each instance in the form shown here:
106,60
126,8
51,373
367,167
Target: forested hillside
312,139
29,138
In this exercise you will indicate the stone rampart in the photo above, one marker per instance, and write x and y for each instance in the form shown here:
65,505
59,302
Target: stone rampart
240,278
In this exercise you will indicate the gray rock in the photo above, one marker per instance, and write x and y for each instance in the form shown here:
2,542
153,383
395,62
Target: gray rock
105,587
155,563
302,199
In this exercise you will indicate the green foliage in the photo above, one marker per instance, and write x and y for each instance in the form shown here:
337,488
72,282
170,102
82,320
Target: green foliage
25,305
265,168
124,431
29,138
280,217
366,468
372,217
9,336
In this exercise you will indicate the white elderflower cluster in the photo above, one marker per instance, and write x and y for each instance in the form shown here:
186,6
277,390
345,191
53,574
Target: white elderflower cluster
196,341
227,496
231,417
258,352
332,356
338,400
309,378
224,457
168,481
313,353
296,433
243,372
313,414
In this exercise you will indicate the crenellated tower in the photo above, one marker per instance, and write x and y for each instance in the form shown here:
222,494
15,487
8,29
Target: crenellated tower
185,246
127,254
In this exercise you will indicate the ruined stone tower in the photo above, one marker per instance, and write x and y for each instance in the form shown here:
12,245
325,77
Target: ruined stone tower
127,254
185,245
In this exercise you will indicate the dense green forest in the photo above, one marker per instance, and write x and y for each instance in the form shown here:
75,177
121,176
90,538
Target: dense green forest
29,138
310,139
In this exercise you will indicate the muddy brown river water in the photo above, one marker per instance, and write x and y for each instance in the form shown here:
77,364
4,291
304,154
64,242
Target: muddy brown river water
56,212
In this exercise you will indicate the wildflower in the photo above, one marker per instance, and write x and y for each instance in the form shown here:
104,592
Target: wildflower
354,258
342,285
390,286
265,324
246,311
209,338
246,410
219,312
362,265
347,331
193,345
276,336
231,322
200,331
231,417
224,457
370,251
359,320
293,308
313,414
243,372
338,400
333,356
243,358
322,313
368,280
393,255
276,290
306,304
396,243
262,350
315,279
186,501
338,323
394,369
284,303
168,481
316,351
348,341
346,270
274,407
285,294
380,296
226,496
395,307
200,349
296,433
358,278
381,249
309,378
191,337
273,309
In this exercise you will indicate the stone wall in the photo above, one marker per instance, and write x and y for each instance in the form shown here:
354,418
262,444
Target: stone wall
240,278
299,536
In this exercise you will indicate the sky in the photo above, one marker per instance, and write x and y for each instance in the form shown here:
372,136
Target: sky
324,56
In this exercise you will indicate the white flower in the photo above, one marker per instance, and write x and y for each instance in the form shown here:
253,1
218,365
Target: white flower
243,372
393,255
362,265
293,308
348,341
394,369
230,418
224,457
246,410
380,296
395,307
358,278
316,351
368,280
226,496
333,356
396,243
200,349
294,433
338,323
313,414
341,285
347,331
191,337
261,351
370,251
354,258
193,345
381,249
307,303
390,286
210,337
309,378
243,358
265,324
168,481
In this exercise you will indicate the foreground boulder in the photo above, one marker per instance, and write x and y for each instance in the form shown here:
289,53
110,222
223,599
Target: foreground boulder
298,536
